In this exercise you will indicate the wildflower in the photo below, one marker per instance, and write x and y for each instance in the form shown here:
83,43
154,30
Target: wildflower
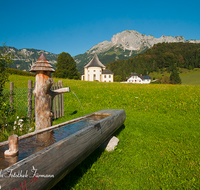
17,117
20,122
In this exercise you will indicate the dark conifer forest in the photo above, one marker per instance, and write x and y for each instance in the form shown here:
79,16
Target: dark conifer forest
161,56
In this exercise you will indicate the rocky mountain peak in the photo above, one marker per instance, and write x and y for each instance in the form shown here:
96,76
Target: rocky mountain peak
133,40
124,45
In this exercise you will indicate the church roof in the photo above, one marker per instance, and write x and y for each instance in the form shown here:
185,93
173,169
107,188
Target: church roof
95,62
106,71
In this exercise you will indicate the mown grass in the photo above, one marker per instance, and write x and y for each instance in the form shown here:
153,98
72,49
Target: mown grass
159,142
191,78
158,148
188,77
19,81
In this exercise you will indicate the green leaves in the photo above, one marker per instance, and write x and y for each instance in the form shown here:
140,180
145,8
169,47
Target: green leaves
66,67
159,57
175,78
5,61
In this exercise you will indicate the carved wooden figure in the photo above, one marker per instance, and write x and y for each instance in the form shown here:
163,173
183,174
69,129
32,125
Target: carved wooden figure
43,94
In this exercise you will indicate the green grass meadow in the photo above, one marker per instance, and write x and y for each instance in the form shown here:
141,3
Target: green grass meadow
159,146
188,77
191,78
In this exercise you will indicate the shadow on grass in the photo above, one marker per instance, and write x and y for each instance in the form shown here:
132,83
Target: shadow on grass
71,179
118,131
73,113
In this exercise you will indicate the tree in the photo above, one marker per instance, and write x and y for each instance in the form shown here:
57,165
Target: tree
175,78
5,61
6,113
165,80
117,78
66,67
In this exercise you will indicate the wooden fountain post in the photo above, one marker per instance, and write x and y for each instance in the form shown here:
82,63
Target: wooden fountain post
13,146
43,94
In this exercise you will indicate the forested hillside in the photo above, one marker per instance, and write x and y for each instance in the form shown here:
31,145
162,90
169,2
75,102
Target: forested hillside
161,56
24,58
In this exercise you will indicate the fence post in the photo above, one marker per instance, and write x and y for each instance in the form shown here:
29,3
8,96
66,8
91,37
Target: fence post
29,99
11,94
54,102
61,100
34,99
62,95
58,111
58,101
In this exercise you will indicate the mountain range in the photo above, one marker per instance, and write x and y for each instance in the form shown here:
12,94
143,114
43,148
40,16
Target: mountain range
24,58
124,45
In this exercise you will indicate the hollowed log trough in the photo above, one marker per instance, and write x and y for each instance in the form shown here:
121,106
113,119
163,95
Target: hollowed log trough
43,169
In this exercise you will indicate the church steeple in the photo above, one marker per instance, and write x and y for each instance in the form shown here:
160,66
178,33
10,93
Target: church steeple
95,62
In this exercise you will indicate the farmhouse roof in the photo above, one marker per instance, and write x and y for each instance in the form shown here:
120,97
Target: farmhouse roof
95,62
134,74
106,71
42,64
145,77
142,77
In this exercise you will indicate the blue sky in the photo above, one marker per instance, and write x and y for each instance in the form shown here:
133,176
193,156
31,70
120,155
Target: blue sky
76,26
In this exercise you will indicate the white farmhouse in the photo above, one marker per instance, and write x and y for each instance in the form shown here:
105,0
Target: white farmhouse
95,70
138,79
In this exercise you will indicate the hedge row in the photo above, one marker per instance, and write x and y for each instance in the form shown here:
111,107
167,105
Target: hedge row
18,72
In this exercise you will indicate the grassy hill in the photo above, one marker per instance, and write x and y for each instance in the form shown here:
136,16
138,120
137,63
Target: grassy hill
158,144
191,78
188,77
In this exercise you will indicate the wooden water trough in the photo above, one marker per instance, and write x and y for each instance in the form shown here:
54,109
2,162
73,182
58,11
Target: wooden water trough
47,155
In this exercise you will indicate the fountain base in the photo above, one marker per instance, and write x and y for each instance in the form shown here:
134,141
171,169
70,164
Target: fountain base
45,168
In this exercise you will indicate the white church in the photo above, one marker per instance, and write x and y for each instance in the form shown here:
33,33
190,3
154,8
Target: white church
95,70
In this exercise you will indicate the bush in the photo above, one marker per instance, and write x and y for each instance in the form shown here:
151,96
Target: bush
117,78
10,123
165,80
5,61
18,72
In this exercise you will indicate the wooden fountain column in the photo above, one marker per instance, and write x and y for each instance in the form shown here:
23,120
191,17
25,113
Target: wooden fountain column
43,94
43,112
